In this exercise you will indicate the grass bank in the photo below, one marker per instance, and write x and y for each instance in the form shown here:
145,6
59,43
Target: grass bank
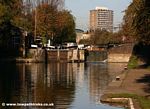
133,63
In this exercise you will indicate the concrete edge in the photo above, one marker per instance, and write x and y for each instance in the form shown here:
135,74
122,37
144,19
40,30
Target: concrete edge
129,101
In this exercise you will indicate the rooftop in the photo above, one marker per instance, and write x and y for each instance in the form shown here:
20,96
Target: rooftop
101,8
79,31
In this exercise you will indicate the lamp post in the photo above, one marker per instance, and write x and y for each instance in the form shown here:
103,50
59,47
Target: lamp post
35,25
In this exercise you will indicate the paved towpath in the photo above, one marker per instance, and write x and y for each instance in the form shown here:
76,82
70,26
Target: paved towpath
136,81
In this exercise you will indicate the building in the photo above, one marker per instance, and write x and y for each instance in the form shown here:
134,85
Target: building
101,18
81,35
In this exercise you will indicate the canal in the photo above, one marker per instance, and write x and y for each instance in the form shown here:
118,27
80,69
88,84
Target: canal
59,85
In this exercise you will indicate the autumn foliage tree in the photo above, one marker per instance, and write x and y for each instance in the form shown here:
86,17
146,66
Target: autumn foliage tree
54,24
52,21
8,10
136,21
102,37
46,19
137,24
65,27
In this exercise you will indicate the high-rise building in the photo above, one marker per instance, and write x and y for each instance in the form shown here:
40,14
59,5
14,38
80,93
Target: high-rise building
101,18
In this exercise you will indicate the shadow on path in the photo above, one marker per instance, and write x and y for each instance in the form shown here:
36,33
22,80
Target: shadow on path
146,80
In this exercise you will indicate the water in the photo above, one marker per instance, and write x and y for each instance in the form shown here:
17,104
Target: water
64,85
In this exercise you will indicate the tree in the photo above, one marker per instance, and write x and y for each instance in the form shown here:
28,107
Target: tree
51,20
137,21
22,17
101,37
4,15
7,12
46,19
65,27
54,24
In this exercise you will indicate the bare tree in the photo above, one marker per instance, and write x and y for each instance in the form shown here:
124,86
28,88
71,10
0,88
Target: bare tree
57,4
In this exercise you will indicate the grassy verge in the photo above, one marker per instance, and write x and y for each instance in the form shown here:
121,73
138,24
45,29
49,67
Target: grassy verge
143,101
133,62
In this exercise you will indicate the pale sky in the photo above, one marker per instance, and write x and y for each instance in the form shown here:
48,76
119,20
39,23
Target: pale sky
80,9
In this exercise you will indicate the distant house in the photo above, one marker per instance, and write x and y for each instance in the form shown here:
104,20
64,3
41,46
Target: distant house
86,36
81,35
15,39
20,38
19,41
11,41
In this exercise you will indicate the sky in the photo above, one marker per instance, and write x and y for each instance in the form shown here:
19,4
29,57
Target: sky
81,10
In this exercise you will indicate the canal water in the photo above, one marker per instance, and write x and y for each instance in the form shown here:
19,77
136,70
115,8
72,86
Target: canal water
59,85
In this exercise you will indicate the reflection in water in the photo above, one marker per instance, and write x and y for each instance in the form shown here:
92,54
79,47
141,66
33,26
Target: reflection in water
67,85
98,80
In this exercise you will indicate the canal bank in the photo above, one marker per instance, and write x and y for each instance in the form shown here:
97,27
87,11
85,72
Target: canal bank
94,54
132,83
40,55
59,55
